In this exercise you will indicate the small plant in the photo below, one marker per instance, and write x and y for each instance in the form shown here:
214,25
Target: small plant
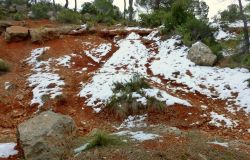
134,85
101,139
130,98
248,81
69,16
18,16
4,67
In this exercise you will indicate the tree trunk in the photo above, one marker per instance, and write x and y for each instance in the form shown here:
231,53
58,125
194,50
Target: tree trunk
75,5
131,10
54,5
245,29
157,4
66,4
124,11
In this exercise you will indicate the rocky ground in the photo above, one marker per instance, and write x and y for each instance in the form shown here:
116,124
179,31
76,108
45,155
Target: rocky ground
206,112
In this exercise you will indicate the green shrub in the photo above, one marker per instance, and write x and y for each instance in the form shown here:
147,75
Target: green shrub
18,16
4,67
41,9
19,2
101,139
231,14
123,103
69,16
134,85
154,19
3,12
238,60
89,8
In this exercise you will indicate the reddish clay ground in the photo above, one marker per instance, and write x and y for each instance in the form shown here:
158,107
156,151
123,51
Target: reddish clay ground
14,110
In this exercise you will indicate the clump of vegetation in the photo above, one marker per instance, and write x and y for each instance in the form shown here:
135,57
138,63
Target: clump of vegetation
101,139
18,16
69,16
124,103
101,11
4,67
3,12
231,14
187,18
41,9
239,60
155,19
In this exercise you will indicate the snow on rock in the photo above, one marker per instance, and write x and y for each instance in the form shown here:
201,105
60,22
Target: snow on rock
165,97
7,85
138,135
43,80
222,121
216,82
223,144
96,54
136,121
137,29
7,150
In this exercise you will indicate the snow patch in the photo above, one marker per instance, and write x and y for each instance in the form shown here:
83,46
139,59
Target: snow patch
136,121
96,54
64,61
7,150
214,82
222,121
138,135
223,144
43,81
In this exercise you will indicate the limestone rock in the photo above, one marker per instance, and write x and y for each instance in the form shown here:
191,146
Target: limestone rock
201,54
16,33
47,136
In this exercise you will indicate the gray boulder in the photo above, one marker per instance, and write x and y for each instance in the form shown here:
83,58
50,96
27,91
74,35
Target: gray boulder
47,136
4,25
16,33
201,54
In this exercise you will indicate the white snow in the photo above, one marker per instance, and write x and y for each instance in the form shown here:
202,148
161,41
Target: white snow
237,24
7,85
99,52
128,60
223,144
40,83
222,35
165,97
172,59
7,149
81,148
137,29
43,80
138,135
222,121
125,62
64,61
136,121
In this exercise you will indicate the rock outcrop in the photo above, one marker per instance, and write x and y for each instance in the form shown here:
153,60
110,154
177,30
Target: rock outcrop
4,25
201,54
44,34
47,136
16,33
